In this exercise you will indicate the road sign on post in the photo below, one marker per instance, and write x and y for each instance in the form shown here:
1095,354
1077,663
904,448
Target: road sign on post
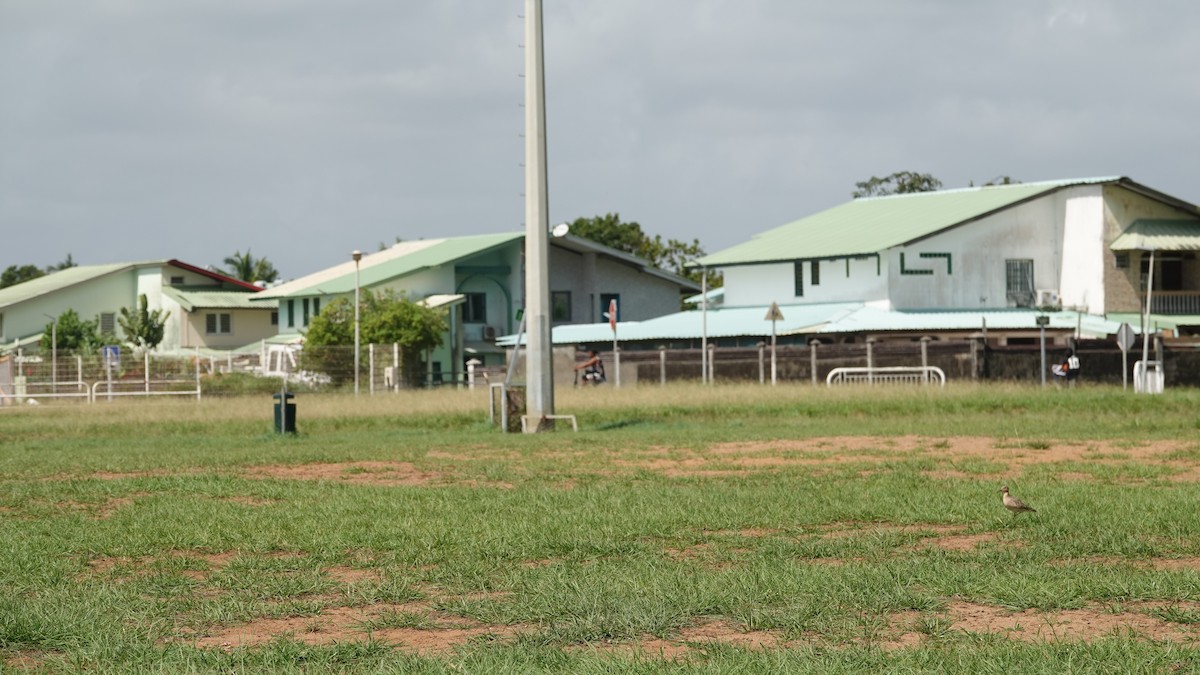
773,315
1125,340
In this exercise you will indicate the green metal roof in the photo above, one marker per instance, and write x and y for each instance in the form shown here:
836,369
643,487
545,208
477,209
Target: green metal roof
1160,235
191,300
400,260
870,225
57,281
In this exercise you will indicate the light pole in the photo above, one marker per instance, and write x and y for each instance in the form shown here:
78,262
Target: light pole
539,362
53,353
357,255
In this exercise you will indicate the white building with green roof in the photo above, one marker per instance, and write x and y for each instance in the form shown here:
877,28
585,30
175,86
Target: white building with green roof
208,310
481,279
1082,245
946,263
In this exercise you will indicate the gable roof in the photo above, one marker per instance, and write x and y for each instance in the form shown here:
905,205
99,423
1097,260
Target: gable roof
869,225
401,260
56,281
72,276
410,257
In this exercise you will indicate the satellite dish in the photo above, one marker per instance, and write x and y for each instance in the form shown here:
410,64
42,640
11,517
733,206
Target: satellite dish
561,230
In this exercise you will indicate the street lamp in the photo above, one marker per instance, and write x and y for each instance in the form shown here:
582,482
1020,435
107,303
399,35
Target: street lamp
357,255
53,353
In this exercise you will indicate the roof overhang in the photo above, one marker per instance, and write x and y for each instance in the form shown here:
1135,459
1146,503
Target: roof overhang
1159,235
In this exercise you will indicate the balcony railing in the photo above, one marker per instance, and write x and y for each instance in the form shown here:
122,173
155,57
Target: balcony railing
1175,302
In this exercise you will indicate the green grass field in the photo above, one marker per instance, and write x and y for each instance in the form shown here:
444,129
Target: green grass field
685,529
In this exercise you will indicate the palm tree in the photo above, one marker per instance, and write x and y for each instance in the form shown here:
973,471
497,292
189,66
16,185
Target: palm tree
246,267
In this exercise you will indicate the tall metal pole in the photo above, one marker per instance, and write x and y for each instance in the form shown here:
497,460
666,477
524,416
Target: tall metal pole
539,372
357,255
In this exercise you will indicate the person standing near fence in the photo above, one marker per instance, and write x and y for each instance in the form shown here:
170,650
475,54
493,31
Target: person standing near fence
1068,369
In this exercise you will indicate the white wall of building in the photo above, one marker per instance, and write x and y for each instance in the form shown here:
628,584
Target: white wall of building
975,278
104,295
845,280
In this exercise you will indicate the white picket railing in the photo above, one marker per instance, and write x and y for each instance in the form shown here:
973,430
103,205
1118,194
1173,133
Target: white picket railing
889,375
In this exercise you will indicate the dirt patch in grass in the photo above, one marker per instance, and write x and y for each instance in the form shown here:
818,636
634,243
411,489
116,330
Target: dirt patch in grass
1162,564
352,575
434,632
371,473
690,640
24,661
1069,625
846,530
961,542
1001,456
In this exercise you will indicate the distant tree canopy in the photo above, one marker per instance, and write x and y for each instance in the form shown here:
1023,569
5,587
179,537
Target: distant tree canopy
901,182
144,329
15,274
246,267
670,255
384,318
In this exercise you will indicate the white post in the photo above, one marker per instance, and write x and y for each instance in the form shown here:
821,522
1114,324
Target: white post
197,374
539,371
772,352
371,368
146,368
813,356
395,366
1042,339
662,366
762,363
1146,330
704,325
54,357
357,255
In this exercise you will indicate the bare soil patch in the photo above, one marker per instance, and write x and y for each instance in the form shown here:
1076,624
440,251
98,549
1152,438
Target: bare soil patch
692,640
1069,625
1012,455
438,633
372,473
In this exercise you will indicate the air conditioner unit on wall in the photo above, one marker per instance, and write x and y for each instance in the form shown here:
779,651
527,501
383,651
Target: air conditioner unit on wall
1048,299
489,332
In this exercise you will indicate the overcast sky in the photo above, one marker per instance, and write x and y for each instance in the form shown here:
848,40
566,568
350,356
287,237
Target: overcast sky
303,129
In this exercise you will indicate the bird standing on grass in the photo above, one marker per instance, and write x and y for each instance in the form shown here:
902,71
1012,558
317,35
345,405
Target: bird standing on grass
1013,504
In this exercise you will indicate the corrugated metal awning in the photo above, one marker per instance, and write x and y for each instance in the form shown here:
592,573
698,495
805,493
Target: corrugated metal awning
1160,235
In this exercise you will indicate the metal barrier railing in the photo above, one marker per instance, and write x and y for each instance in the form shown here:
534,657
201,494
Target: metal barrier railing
890,375
145,390
32,390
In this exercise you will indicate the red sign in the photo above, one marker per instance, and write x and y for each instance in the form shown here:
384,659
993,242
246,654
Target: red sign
612,314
